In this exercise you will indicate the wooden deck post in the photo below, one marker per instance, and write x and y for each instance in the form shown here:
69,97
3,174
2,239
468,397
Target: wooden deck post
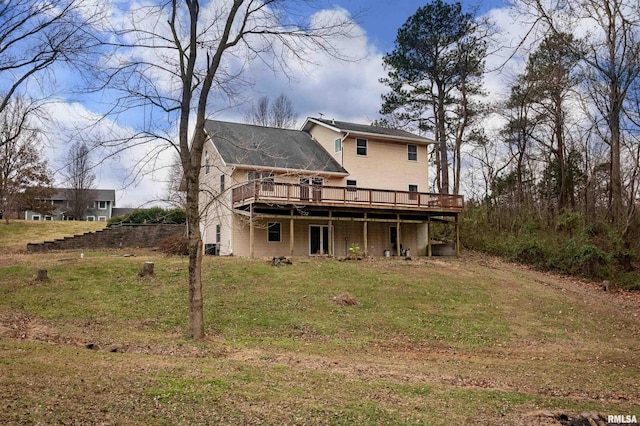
251,232
291,236
398,252
457,235
364,235
429,236
330,235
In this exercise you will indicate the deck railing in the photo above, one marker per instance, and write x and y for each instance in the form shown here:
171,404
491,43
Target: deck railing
290,193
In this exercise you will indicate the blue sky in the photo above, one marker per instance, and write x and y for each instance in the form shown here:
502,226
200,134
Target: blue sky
381,19
348,91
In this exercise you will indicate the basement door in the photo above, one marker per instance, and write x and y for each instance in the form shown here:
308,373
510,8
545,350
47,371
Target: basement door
318,239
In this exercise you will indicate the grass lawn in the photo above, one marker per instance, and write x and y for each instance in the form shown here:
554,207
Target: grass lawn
468,340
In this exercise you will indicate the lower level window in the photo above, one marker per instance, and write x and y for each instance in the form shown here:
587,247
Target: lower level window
91,218
274,232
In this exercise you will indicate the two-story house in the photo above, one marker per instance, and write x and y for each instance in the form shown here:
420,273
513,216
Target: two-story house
100,205
318,190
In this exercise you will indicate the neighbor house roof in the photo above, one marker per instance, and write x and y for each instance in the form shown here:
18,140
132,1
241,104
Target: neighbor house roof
268,147
355,129
100,194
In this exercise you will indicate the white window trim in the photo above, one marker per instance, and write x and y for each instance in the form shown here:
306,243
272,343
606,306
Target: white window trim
409,153
48,217
337,145
366,147
93,218
102,218
35,217
100,203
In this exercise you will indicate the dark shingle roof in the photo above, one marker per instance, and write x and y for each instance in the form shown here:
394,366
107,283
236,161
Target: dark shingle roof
100,194
345,126
269,147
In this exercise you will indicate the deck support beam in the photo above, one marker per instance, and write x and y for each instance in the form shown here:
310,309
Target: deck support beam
398,251
291,233
251,232
330,236
364,235
457,235
429,236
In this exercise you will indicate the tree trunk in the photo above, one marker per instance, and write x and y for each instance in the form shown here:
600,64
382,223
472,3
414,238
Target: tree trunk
442,140
194,237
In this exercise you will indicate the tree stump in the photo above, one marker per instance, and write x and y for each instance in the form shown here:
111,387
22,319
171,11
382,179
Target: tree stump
147,270
42,275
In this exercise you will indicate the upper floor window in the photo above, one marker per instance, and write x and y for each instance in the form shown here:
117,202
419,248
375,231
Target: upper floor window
266,179
338,145
412,152
206,162
222,186
102,205
361,146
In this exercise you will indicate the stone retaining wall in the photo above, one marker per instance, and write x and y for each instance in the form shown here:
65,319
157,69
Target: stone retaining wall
119,236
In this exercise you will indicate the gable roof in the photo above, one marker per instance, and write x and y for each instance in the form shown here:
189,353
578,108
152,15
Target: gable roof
269,147
355,129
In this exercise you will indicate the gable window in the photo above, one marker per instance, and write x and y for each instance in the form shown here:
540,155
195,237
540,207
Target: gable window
361,147
206,163
102,205
338,145
274,232
266,180
221,184
412,152
413,192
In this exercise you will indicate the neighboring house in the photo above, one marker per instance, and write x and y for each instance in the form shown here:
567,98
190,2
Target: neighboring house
100,209
318,190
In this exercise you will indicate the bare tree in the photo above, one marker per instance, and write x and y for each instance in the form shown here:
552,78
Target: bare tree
174,195
174,58
610,53
278,113
80,179
22,168
35,35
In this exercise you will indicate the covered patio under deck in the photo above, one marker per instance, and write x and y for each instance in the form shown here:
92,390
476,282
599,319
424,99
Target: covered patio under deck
260,200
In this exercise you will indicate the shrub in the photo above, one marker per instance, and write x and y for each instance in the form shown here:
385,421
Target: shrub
151,215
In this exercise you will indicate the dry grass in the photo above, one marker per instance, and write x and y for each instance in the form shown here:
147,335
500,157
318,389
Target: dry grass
432,341
15,235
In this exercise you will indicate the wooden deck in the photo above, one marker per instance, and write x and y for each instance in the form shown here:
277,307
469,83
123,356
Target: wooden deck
321,195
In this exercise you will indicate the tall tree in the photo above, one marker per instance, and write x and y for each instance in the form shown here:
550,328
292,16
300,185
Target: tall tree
611,61
22,168
80,179
278,113
437,62
36,35
551,73
176,56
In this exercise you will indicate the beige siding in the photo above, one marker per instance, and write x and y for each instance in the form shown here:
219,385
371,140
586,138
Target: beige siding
215,206
386,166
345,233
326,137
